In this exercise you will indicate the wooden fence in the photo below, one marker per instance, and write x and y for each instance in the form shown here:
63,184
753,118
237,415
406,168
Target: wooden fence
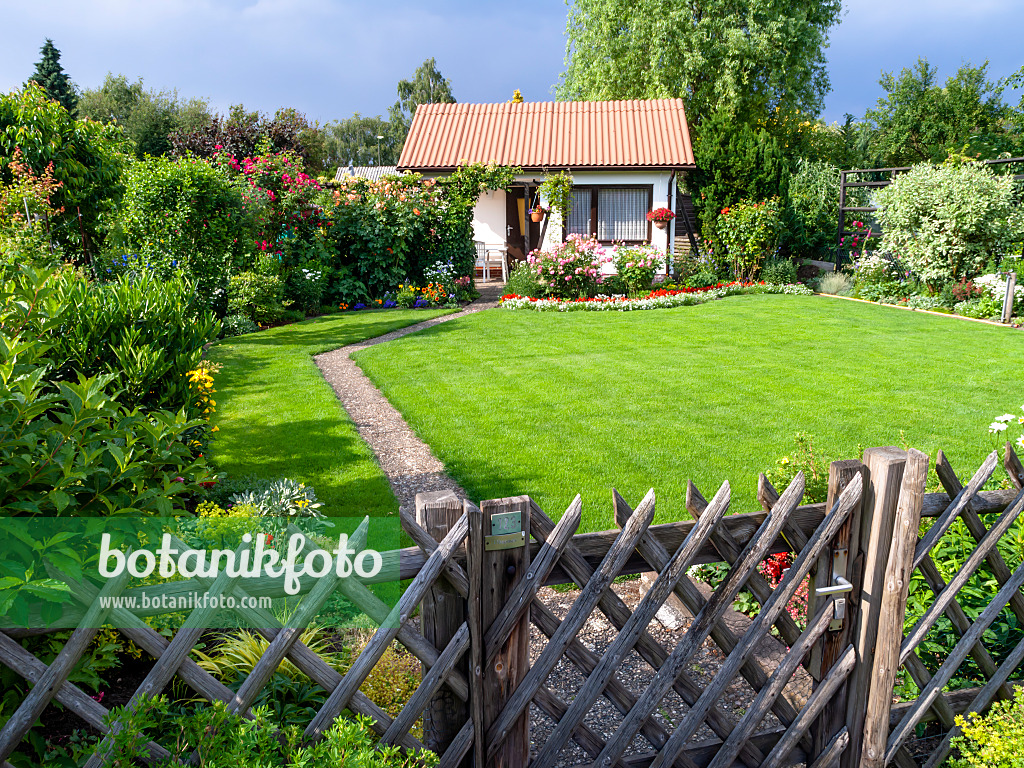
820,695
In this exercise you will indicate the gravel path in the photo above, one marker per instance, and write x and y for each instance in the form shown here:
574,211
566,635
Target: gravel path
407,461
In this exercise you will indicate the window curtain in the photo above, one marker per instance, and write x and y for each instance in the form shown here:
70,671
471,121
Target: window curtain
622,214
579,213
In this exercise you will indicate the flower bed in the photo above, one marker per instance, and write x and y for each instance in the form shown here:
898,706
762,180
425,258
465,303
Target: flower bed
658,299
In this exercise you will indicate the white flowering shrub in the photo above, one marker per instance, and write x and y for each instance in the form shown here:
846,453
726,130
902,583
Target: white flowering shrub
946,222
995,284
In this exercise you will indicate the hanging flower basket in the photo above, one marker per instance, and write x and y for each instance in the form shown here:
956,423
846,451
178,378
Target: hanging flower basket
661,217
537,214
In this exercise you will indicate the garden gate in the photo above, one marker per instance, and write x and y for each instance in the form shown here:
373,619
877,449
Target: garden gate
820,695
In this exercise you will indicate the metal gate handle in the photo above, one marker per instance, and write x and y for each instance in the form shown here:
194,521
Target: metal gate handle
839,586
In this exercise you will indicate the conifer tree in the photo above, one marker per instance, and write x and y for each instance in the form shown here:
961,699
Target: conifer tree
54,80
735,162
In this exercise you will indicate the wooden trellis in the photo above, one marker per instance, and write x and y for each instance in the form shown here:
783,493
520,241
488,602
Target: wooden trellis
823,699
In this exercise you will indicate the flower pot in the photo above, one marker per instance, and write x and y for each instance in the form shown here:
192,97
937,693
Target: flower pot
661,224
536,216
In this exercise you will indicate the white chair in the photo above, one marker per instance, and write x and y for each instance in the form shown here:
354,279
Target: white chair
481,258
495,255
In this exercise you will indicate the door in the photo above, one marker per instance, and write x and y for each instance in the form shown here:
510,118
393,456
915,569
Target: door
517,222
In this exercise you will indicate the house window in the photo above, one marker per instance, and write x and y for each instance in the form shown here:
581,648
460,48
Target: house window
611,214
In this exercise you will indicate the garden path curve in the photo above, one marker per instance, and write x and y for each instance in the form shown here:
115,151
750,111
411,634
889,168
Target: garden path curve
407,461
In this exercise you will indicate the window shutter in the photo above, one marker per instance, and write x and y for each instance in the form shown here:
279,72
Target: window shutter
622,214
579,213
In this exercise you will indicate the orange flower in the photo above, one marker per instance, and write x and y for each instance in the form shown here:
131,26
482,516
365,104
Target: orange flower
416,211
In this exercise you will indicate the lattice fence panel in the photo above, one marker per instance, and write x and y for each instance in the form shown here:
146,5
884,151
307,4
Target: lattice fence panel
922,729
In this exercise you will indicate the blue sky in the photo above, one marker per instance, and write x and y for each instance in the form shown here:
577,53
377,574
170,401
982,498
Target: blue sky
330,58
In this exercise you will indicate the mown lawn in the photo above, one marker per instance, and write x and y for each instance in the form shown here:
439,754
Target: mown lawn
279,417
555,404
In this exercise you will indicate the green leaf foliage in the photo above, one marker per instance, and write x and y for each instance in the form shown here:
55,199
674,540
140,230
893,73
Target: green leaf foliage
146,116
812,217
945,223
751,57
87,158
919,120
181,215
67,446
734,162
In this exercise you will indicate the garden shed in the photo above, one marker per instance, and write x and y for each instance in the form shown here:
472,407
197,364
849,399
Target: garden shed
626,158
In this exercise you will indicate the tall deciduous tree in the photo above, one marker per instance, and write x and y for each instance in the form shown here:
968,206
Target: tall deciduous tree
428,86
919,120
750,57
51,76
354,140
148,117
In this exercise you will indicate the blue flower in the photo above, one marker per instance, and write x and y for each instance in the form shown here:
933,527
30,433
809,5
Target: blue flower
360,305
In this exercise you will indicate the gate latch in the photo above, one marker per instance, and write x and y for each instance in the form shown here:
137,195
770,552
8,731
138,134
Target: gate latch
839,585
506,532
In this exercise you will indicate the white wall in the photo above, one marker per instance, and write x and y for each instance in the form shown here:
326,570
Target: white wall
489,219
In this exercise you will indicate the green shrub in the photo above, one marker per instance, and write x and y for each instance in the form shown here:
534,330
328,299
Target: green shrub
947,222
221,738
393,681
636,265
391,231
748,233
805,459
305,286
523,280
982,308
238,325
779,272
69,447
146,332
702,279
88,158
256,296
995,740
735,162
182,215
812,216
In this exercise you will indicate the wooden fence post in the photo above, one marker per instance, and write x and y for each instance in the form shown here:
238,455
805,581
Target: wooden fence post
893,606
1011,284
442,612
493,574
829,649
881,496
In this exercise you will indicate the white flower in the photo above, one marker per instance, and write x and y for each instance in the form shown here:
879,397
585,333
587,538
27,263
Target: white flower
996,427
1020,442
1007,417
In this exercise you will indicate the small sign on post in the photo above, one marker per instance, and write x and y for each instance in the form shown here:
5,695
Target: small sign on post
1011,285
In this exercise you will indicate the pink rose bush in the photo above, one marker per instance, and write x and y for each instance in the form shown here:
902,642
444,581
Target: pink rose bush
571,269
636,265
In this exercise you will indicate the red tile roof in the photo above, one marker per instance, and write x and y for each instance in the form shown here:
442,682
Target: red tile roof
550,135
